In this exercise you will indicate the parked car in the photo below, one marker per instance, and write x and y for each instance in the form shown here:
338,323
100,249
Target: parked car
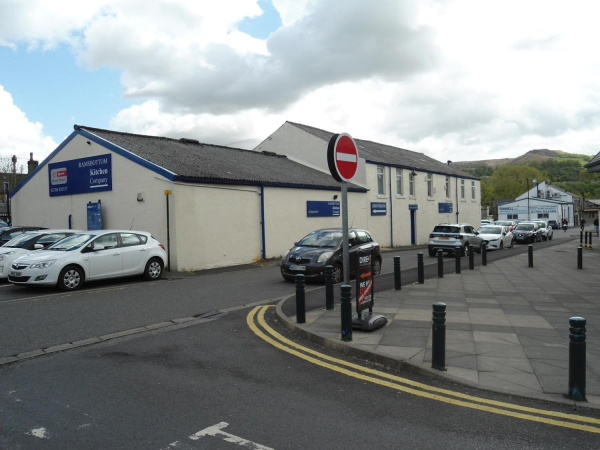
320,248
3,223
486,222
547,231
527,232
7,233
27,243
447,237
91,255
496,237
511,224
554,224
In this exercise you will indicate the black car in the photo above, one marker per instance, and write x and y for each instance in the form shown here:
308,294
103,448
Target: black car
7,233
527,232
320,248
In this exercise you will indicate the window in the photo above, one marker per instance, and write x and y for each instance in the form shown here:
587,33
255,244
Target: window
107,241
50,239
462,189
129,239
544,216
512,216
399,187
411,184
472,190
429,185
380,180
363,237
447,187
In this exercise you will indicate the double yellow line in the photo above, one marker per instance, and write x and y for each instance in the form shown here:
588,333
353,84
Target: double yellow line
413,387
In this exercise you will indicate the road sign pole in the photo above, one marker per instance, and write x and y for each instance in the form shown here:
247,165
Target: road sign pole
346,246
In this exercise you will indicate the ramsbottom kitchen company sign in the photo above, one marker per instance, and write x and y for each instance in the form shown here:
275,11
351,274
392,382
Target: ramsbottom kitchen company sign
80,176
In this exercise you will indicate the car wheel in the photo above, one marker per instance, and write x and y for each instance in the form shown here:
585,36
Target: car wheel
432,252
551,236
70,278
480,249
376,266
501,245
464,251
154,269
512,243
338,273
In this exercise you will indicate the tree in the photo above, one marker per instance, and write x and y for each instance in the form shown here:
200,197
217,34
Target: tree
510,181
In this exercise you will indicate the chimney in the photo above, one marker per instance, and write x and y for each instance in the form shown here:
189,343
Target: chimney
31,164
14,162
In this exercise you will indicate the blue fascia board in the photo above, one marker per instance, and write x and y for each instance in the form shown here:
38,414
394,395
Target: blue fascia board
43,163
208,180
104,143
401,166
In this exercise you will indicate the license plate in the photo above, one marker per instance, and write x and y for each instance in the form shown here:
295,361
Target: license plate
444,239
15,274
293,267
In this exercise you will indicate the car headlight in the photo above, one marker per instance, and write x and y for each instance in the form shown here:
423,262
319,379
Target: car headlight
43,264
6,254
324,257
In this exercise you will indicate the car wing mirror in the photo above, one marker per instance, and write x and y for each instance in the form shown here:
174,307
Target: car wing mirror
98,247
38,246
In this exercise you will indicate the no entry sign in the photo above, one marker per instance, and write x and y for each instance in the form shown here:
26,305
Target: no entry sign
342,157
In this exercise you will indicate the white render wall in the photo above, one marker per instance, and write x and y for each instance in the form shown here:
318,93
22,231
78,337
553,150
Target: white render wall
555,210
32,204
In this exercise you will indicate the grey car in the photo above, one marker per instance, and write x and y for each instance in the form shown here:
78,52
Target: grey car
447,237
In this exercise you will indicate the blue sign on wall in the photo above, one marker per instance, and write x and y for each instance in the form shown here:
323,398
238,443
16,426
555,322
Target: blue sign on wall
94,216
79,176
378,209
413,207
445,208
322,209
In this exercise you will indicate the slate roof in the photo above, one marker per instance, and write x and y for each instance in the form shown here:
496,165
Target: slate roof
192,161
387,154
595,161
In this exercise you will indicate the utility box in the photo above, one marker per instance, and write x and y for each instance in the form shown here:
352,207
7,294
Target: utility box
94,216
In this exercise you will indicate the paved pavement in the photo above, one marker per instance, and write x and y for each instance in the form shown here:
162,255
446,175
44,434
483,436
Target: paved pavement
507,324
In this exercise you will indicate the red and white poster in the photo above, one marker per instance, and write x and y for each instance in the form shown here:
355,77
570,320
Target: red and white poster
364,282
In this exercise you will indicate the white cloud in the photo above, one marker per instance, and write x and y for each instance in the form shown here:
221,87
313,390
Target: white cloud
18,135
459,79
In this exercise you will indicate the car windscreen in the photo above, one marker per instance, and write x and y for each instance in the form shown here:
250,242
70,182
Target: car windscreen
22,240
71,243
321,239
525,227
490,230
504,224
446,229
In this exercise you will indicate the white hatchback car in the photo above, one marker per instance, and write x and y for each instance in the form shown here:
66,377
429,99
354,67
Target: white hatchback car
26,243
91,255
496,237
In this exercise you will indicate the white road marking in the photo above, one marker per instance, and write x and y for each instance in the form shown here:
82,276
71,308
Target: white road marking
217,431
39,433
346,157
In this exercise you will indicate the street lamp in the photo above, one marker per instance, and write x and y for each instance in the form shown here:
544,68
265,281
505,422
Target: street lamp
456,192
527,179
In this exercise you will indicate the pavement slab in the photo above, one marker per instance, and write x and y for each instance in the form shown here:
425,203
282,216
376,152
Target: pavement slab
507,325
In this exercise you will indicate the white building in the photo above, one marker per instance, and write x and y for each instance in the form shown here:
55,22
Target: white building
408,192
535,208
227,206
571,204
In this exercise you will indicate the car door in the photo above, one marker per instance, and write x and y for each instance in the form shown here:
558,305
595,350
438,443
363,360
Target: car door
506,237
135,254
105,259
354,246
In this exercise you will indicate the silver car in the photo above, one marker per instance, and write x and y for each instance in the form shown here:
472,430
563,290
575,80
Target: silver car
447,237
547,231
496,237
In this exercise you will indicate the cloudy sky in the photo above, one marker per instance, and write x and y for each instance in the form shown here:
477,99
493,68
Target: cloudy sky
457,80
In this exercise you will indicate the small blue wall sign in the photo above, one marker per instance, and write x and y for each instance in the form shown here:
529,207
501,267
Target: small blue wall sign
79,176
378,209
322,209
413,207
94,216
445,208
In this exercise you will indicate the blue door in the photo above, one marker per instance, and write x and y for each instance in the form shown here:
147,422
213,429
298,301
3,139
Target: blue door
413,239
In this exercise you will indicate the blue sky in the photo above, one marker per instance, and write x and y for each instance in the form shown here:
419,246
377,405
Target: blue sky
446,78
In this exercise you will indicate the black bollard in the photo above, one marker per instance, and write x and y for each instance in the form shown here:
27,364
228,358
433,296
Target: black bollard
346,312
440,263
585,235
577,358
530,254
581,238
438,337
300,299
579,257
457,258
471,258
329,287
590,240
420,268
484,254
397,275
